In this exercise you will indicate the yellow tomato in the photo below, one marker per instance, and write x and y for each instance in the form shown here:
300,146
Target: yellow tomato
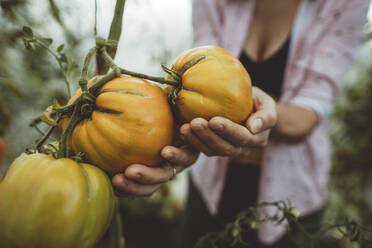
131,123
53,203
214,83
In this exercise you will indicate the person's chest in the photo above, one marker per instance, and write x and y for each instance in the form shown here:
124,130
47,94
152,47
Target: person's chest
270,26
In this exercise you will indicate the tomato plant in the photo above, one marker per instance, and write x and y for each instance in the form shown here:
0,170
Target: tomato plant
48,202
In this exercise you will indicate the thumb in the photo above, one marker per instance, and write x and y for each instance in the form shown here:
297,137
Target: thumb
265,115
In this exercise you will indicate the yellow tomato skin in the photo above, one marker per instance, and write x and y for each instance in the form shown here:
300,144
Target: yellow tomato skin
217,85
132,123
59,203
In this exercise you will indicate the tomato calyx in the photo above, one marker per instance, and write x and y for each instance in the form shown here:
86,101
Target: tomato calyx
177,76
88,104
190,64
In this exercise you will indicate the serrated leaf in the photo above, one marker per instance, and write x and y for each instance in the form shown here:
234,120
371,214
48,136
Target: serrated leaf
60,48
28,33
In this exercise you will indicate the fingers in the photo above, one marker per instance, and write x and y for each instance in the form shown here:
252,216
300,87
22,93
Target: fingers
126,187
141,180
237,134
181,157
265,116
149,175
214,142
189,136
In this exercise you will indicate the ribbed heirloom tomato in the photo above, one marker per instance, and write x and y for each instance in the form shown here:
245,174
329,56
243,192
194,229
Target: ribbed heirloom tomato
131,123
59,203
214,83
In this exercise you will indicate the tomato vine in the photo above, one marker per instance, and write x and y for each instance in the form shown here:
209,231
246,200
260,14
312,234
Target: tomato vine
250,219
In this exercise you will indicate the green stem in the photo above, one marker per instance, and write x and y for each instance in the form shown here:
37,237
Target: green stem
64,146
67,82
67,108
172,73
83,81
101,81
46,136
108,59
110,62
92,90
38,130
95,18
115,33
152,78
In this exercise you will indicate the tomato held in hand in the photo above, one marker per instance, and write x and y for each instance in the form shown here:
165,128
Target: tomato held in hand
132,121
214,83
59,203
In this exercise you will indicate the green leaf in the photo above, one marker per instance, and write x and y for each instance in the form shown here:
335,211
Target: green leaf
63,58
29,45
56,103
28,33
46,41
60,48
71,68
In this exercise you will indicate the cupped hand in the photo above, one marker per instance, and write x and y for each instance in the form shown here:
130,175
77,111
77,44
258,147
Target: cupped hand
218,137
222,137
141,180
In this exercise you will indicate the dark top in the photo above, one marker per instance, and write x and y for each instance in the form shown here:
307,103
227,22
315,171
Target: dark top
241,186
268,74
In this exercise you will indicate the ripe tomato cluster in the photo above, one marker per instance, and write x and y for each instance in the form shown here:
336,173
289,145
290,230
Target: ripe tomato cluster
58,202
133,120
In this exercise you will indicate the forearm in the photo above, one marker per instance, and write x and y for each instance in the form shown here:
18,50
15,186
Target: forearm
294,122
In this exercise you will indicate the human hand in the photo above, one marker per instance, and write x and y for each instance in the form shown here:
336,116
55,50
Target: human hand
222,137
233,140
142,180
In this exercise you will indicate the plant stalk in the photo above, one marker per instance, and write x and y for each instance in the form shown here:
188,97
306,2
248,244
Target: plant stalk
46,136
64,146
67,82
83,81
148,77
113,66
115,33
101,81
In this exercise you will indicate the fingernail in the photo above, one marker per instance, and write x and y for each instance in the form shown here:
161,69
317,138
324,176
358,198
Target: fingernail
183,130
219,127
199,127
169,153
256,125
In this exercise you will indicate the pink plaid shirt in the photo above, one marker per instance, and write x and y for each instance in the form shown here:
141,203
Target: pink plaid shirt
323,40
